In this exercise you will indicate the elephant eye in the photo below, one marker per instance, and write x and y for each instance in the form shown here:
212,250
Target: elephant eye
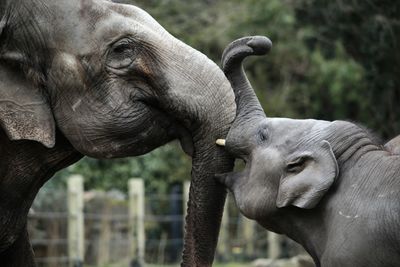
122,48
297,165
121,54
263,133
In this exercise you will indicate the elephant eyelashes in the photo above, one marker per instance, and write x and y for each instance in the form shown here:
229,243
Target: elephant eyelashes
121,55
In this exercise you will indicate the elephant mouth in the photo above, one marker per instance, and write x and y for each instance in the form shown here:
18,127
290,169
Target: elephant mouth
231,179
133,133
228,179
186,141
174,129
157,130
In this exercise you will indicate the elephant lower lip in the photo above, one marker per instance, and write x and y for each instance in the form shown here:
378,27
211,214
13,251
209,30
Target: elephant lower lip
220,177
228,179
186,142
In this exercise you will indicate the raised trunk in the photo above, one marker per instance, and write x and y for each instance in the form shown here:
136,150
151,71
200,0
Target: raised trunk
249,111
247,102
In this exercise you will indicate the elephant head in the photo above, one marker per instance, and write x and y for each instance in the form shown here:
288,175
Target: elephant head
288,162
116,84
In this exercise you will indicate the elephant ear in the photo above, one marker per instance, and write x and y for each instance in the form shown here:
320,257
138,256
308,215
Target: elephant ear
309,176
24,112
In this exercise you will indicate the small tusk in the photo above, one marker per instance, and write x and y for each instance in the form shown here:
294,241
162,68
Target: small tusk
221,142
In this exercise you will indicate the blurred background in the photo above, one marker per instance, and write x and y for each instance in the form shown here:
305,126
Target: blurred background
330,60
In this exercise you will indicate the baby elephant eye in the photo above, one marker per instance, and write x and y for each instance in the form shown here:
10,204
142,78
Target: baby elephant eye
121,55
297,165
263,133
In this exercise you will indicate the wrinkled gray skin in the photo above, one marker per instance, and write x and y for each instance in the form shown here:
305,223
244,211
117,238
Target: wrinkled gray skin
96,78
330,186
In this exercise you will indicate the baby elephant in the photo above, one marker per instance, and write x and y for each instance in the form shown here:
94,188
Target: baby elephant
330,186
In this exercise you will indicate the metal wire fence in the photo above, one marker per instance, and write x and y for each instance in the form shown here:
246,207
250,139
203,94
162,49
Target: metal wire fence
107,230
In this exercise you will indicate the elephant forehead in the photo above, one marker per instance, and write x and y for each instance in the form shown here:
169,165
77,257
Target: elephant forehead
80,26
285,124
116,26
285,130
61,24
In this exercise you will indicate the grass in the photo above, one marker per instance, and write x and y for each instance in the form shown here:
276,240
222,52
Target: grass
176,265
215,265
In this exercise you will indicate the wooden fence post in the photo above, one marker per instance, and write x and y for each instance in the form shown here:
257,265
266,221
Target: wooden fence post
248,236
274,245
223,243
103,255
75,221
136,222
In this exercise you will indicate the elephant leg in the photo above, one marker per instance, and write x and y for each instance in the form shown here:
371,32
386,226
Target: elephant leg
19,254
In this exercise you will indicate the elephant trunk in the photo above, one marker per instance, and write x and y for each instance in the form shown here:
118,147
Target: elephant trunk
207,110
232,64
249,110
205,206
206,196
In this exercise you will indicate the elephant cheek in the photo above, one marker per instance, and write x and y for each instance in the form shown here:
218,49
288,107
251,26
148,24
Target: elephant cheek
65,70
253,201
66,84
246,208
241,200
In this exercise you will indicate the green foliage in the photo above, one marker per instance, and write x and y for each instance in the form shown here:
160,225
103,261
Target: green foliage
370,33
295,81
159,169
331,88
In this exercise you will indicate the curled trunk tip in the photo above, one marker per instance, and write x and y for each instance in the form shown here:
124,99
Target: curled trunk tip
239,49
232,64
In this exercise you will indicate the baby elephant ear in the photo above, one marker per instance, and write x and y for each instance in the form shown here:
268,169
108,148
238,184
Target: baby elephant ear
24,112
309,176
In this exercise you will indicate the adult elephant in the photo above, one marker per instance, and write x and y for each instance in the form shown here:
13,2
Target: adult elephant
331,186
96,78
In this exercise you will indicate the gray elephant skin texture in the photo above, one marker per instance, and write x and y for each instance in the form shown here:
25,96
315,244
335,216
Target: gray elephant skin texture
101,79
331,186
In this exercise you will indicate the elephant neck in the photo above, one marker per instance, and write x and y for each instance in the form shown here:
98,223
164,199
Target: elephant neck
24,167
305,227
